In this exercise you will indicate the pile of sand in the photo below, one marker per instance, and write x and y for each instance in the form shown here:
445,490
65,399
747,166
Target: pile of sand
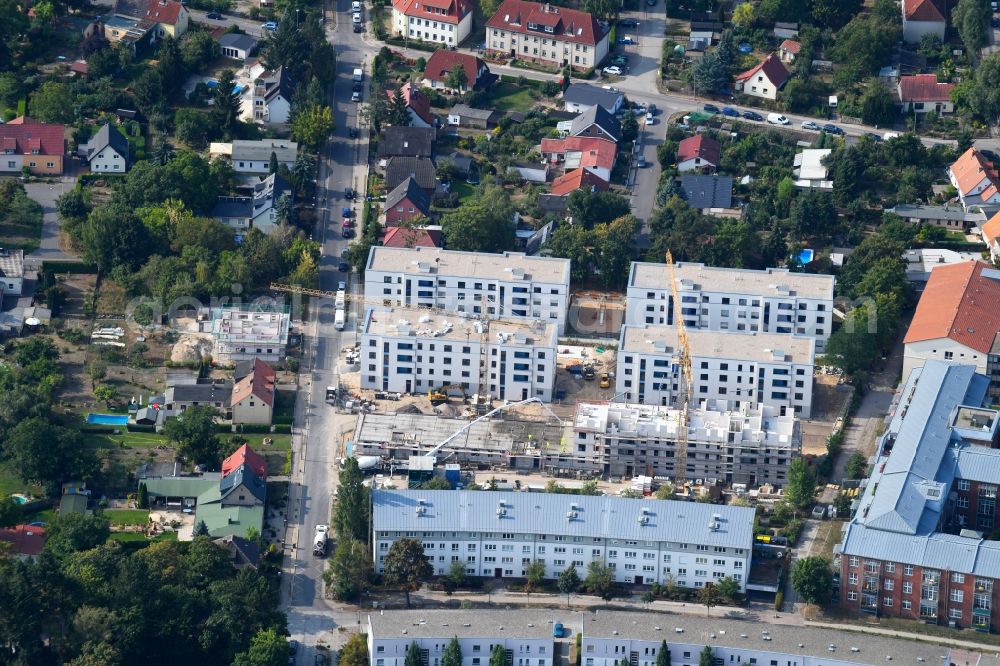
191,348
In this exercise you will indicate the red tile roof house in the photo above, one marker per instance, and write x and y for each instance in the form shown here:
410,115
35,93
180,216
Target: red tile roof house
788,50
411,237
764,80
245,456
253,396
546,34
406,202
922,17
443,61
991,236
25,142
23,541
417,103
447,22
976,180
698,153
594,153
580,179
921,93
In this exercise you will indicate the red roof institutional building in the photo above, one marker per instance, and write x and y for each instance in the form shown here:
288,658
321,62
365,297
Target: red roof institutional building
546,34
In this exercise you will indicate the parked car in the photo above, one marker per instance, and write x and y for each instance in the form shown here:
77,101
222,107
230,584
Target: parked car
356,18
341,286
629,23
358,27
651,3
355,96
345,211
348,193
356,6
710,108
347,223
347,232
830,128
343,253
649,118
640,161
215,16
753,115
270,25
293,646
626,40
652,109
730,111
352,132
344,267
777,119
877,138
557,630
810,125
613,70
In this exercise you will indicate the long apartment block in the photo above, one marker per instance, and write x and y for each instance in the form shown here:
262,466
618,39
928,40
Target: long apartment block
478,284
730,442
727,299
610,638
761,368
497,534
920,545
413,350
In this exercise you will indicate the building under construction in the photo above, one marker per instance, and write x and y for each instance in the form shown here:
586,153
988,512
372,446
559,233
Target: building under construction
243,334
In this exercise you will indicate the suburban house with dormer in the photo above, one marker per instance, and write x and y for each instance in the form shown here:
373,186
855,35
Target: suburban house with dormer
977,181
547,34
25,142
764,80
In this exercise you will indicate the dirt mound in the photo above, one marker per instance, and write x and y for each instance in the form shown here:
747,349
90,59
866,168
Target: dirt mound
191,348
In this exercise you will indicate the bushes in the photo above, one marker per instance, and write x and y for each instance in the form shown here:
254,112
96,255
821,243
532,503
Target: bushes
253,428
283,429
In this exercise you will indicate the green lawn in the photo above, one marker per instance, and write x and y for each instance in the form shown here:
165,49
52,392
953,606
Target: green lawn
139,536
123,517
47,516
128,439
278,443
462,189
10,483
507,96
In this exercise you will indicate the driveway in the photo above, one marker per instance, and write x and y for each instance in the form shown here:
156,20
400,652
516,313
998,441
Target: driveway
46,195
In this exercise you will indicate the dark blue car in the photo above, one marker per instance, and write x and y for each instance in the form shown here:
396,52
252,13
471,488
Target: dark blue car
730,111
711,108
753,115
833,129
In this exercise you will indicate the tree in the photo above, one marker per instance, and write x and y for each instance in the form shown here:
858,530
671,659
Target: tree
195,435
312,125
41,452
600,579
833,14
200,529
73,204
743,15
970,18
878,107
406,565
354,652
163,153
856,466
456,575
10,511
75,532
663,654
267,648
710,74
51,103
812,579
709,596
801,484
456,78
630,127
602,10
592,208
349,571
105,393
498,657
706,658
142,500
534,574
452,655
482,224
861,47
727,587
568,582
272,165
350,514
412,657
398,114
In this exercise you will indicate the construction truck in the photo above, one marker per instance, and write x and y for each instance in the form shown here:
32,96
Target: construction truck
319,541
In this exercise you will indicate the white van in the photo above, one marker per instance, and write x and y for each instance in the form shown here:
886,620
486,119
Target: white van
777,119
339,319
355,6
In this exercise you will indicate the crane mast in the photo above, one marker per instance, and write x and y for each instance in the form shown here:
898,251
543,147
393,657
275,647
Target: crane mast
684,380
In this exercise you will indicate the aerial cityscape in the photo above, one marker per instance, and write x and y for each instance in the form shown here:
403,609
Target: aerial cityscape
499,332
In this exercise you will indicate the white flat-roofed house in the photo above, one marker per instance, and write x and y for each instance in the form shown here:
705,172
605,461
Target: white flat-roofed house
11,272
760,368
810,171
725,299
243,335
498,534
409,350
511,284
254,157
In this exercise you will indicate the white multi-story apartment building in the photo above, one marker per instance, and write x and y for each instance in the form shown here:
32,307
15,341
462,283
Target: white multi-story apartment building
547,34
727,299
731,442
761,368
498,534
410,350
447,22
510,285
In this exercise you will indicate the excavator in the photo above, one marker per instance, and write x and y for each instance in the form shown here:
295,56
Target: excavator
440,395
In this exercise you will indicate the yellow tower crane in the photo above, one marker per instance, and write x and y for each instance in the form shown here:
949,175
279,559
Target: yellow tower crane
684,381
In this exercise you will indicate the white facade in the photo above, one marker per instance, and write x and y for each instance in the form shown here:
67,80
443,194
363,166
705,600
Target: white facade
547,48
915,354
11,272
510,285
108,160
429,30
243,335
727,441
726,299
498,534
408,350
760,368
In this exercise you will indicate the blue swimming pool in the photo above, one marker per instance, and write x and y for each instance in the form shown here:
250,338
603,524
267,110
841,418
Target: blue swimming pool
212,83
108,419
806,256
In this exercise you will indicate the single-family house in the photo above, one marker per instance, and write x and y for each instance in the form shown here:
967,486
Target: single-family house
809,169
788,50
764,80
107,151
922,17
547,34
977,181
417,103
922,262
162,18
421,169
248,457
253,396
437,71
270,98
946,217
80,68
25,542
572,152
244,553
407,142
446,22
596,121
581,96
922,93
412,237
462,115
698,153
578,179
258,210
25,142
957,318
237,46
180,397
991,236
253,157
11,272
709,194
406,202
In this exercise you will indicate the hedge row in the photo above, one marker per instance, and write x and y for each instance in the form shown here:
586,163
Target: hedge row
98,430
252,428
68,267
410,44
140,428
283,428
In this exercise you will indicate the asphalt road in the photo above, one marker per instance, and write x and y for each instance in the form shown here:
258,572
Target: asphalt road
246,25
46,195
